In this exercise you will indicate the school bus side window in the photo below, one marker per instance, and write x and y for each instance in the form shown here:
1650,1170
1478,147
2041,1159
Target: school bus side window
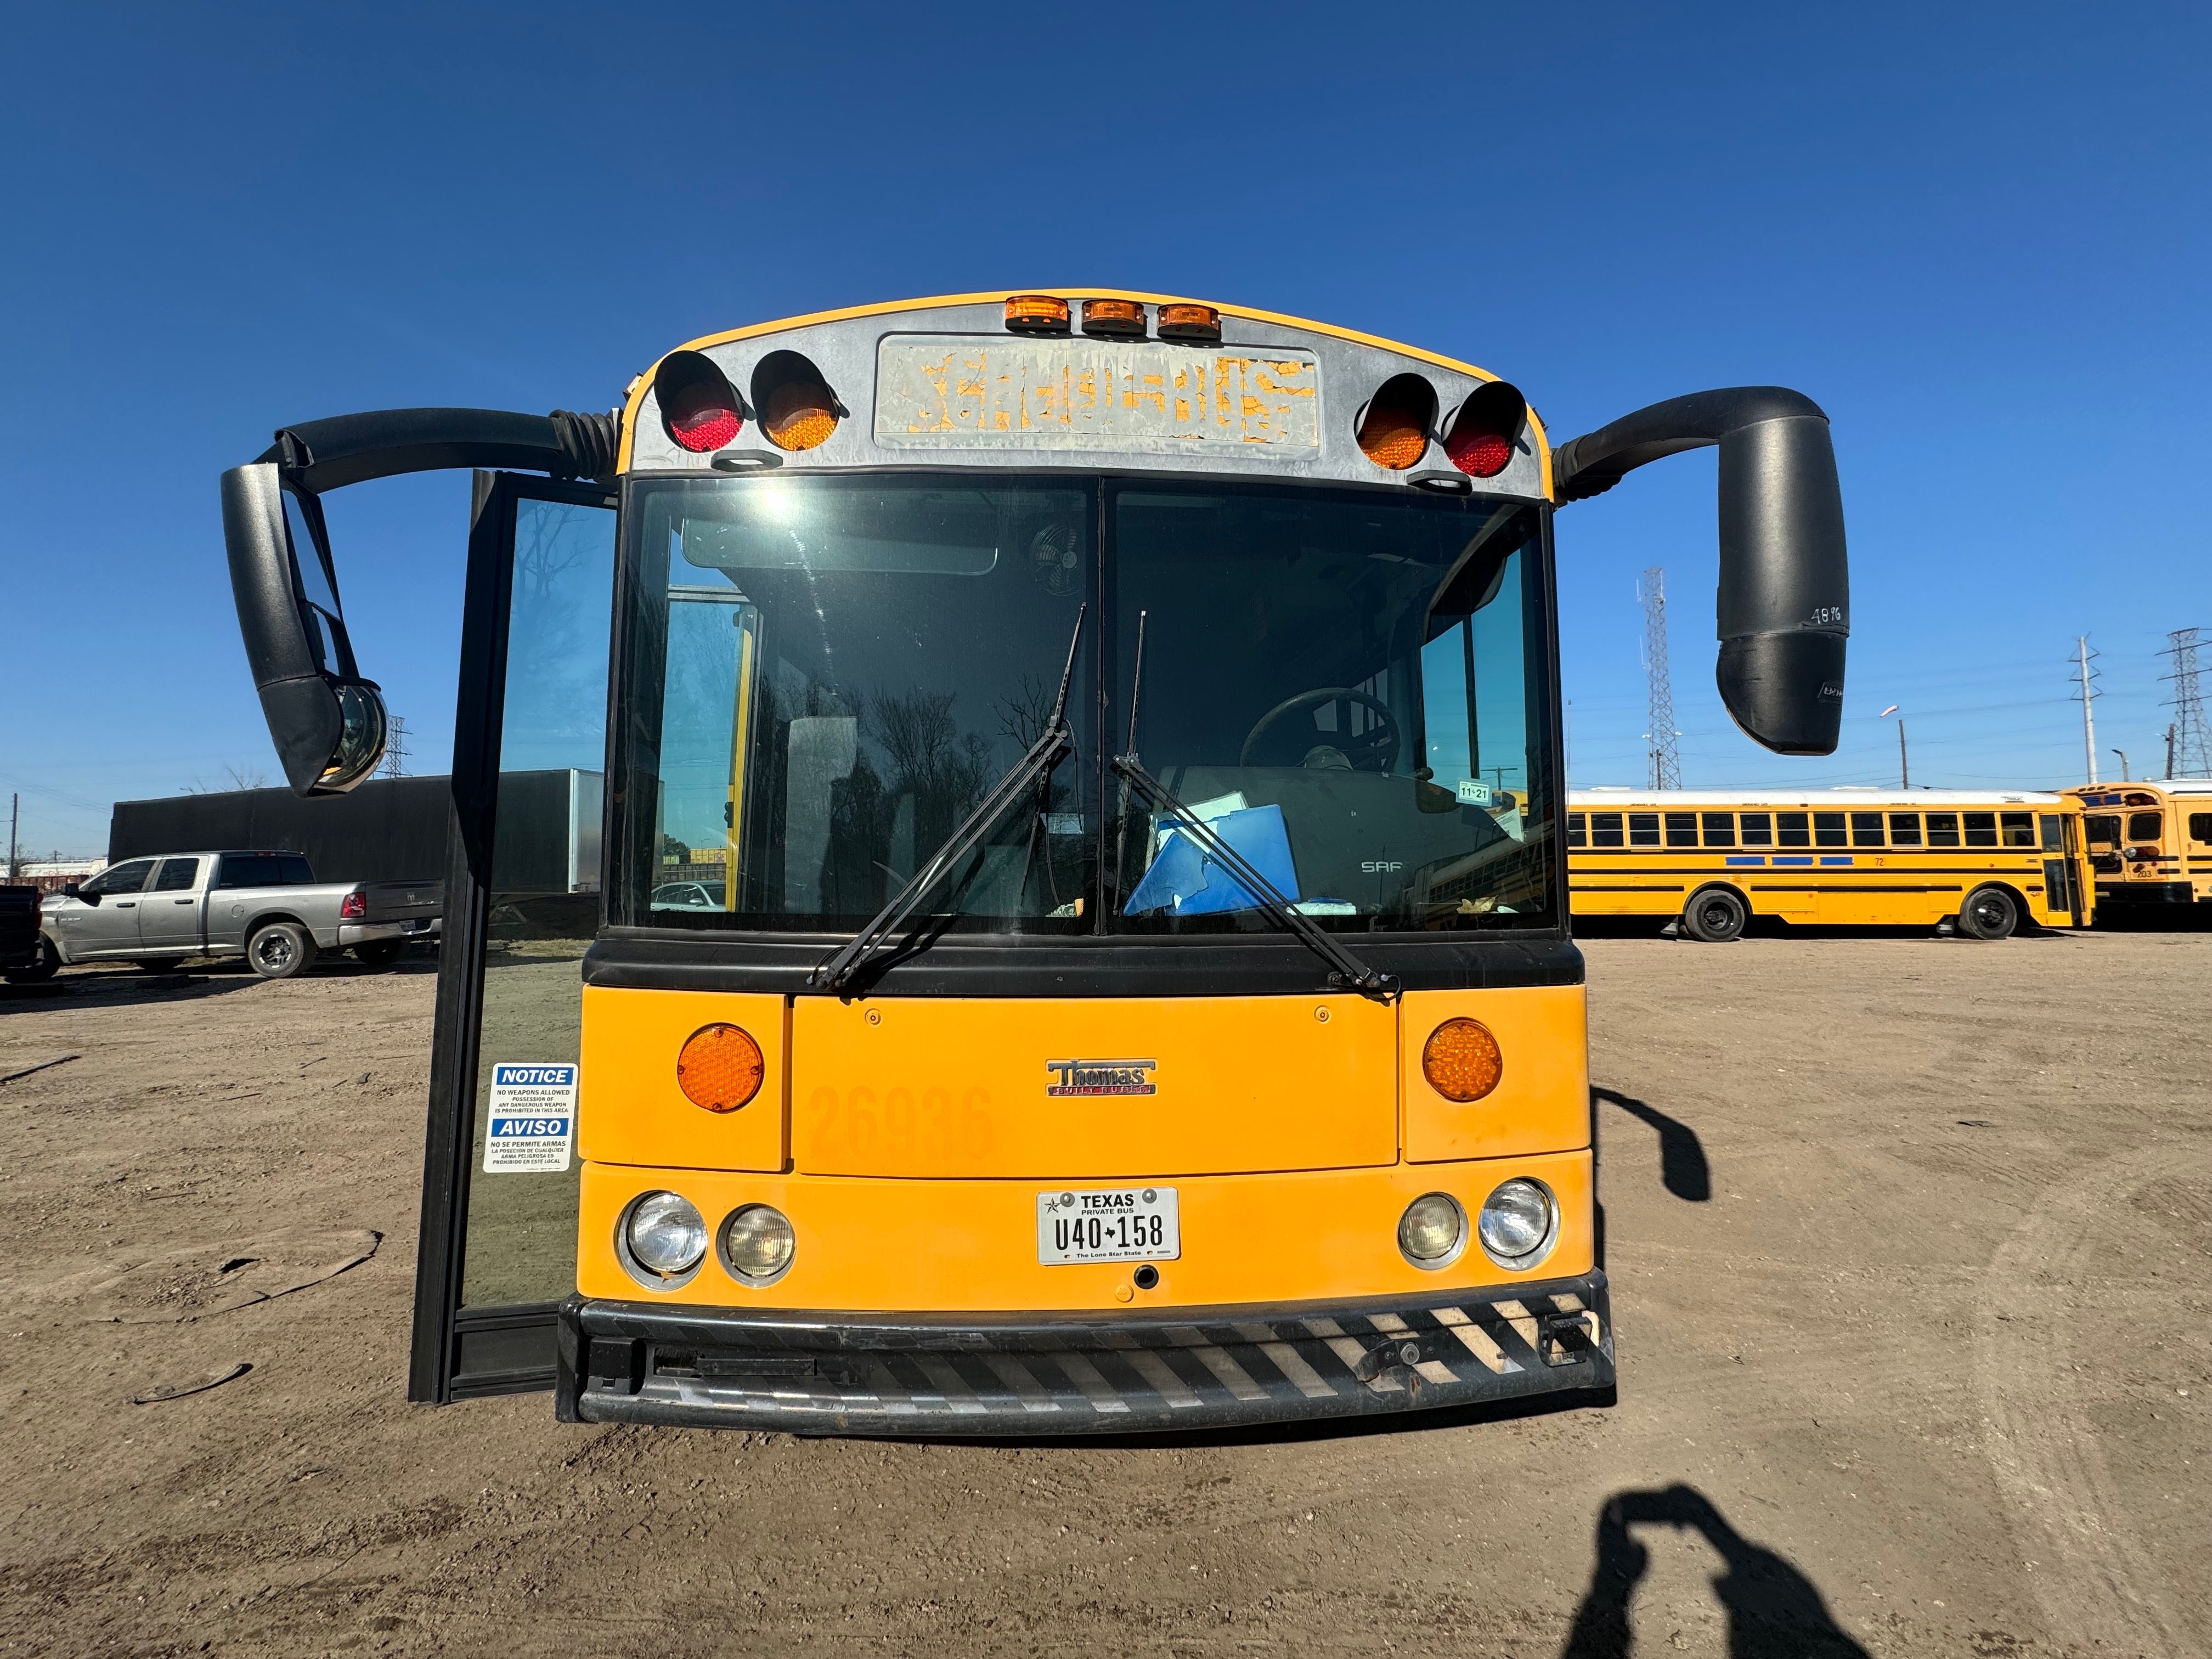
2019,829
1795,828
1942,828
1681,829
1758,830
1605,829
1643,828
1720,829
1905,829
2054,832
1577,831
1828,829
1981,829
1866,830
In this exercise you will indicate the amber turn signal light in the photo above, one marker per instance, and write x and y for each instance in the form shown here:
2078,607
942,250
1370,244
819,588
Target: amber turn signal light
721,1067
1114,318
1461,1059
1190,323
1036,313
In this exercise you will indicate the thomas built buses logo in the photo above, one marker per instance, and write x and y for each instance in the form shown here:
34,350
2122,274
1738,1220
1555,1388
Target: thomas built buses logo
1102,1077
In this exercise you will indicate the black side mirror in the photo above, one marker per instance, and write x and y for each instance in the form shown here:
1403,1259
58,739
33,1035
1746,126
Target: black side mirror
1784,600
82,895
327,722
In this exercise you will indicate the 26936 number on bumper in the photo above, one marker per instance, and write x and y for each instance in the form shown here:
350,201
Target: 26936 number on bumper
1063,1374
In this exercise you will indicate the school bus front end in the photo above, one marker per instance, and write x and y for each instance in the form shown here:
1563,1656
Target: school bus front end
1060,758
1083,942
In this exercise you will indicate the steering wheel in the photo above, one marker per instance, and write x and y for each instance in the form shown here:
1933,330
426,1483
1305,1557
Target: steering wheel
1370,751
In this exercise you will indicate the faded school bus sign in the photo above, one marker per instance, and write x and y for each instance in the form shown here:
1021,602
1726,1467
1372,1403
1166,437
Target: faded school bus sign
999,392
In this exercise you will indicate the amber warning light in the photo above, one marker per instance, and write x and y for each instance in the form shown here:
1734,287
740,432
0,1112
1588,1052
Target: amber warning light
721,1067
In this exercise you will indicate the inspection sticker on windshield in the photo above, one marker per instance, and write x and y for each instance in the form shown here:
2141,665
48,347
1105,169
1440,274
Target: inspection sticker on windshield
534,1119
1123,1223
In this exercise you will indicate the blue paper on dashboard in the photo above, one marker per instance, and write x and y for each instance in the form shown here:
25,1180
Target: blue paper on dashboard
1186,881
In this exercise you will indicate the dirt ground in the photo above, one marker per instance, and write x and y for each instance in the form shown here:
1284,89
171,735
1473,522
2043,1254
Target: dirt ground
1909,1247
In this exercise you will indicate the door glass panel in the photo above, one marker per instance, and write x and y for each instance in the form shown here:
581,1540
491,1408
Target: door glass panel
544,902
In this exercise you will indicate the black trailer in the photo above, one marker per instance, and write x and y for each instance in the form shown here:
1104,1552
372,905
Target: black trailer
386,829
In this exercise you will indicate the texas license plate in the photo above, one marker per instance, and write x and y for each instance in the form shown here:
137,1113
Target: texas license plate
1120,1224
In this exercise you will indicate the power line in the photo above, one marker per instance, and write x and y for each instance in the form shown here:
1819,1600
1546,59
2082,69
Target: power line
1665,753
2188,747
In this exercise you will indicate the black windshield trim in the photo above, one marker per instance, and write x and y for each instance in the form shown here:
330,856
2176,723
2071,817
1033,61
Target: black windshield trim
1111,965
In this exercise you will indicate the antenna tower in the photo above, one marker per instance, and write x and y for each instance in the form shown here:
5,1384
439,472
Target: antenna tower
1666,757
395,749
2086,694
2188,745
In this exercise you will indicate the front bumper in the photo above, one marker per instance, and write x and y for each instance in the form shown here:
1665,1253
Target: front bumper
1031,1374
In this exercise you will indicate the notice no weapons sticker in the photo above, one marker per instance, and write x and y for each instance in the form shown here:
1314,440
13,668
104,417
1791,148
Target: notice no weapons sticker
532,1119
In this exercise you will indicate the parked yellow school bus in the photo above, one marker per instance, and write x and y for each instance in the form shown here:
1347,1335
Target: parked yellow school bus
1047,962
1986,864
2150,844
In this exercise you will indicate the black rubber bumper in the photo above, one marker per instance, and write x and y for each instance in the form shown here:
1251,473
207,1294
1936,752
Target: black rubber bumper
1061,1374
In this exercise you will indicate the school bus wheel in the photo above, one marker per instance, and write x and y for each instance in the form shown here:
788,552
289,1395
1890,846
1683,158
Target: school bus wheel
1715,915
1989,913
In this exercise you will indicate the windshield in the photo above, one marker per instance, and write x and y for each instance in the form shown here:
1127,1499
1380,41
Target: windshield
840,668
1337,683
824,675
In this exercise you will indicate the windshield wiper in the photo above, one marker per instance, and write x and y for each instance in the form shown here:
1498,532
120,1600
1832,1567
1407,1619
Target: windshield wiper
1346,972
1053,746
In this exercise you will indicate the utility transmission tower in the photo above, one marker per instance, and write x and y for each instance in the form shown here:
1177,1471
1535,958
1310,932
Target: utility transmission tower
1666,757
395,749
2086,693
2189,746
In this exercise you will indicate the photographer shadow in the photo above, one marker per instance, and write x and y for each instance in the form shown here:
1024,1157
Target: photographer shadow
1682,1166
1774,1611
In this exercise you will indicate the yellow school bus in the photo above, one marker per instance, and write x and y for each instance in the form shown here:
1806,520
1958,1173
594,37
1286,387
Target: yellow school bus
1986,865
1076,936
2150,844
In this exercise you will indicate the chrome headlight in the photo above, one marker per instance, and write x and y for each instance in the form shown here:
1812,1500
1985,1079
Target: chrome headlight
665,1234
757,1242
1517,1224
1433,1230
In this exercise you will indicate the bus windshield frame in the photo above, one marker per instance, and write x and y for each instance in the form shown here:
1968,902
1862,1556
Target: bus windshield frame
829,597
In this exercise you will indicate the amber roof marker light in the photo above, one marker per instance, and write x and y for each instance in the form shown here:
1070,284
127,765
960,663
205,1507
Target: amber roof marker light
1462,1060
721,1067
1188,322
1114,320
1036,313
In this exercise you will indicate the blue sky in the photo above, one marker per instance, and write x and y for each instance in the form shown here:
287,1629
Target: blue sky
1975,235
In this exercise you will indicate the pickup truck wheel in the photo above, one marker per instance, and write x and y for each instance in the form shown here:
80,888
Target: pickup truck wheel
381,952
48,964
280,950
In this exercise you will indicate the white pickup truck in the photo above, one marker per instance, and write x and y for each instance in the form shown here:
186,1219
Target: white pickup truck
266,906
